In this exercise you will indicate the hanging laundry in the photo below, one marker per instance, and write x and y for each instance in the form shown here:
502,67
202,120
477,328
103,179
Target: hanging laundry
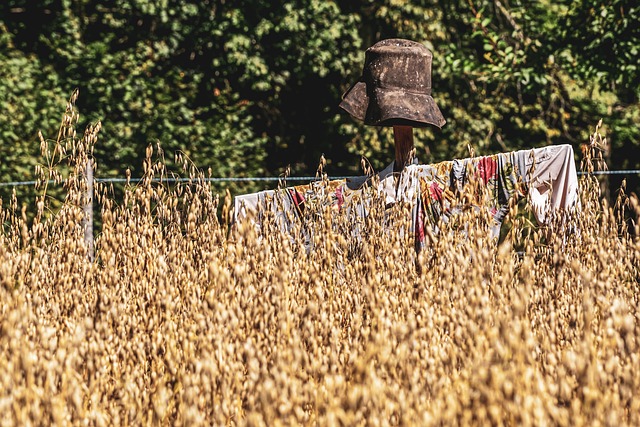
546,175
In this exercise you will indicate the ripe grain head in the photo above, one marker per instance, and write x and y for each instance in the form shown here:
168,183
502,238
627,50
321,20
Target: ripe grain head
183,321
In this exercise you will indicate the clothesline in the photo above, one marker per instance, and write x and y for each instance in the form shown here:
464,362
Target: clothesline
268,178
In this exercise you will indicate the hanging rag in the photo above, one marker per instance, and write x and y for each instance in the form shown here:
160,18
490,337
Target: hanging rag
546,175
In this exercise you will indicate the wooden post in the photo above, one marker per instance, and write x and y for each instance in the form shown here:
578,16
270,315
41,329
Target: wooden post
403,141
403,138
88,211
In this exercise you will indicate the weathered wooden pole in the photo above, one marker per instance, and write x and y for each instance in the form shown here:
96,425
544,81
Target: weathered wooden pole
403,139
88,210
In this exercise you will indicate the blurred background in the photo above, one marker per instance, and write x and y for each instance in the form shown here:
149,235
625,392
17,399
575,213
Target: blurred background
248,88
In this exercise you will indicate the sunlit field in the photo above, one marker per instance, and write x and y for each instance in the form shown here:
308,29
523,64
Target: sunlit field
186,319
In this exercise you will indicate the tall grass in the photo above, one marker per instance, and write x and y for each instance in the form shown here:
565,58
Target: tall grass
182,320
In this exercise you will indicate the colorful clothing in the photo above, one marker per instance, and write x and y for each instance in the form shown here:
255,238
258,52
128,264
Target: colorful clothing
547,175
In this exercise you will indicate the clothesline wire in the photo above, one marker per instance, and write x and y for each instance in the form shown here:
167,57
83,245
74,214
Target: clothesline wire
173,180
263,178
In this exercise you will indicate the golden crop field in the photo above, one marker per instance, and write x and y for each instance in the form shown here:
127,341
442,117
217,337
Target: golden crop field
181,320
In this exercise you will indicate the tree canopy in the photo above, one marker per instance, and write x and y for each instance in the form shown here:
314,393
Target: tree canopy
248,88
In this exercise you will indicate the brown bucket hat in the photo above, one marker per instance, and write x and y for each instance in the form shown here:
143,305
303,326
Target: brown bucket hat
395,87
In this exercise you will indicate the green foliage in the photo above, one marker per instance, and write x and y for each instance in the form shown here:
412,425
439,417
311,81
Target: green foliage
605,44
27,87
248,88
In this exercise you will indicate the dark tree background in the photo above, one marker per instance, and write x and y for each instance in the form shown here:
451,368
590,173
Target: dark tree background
248,87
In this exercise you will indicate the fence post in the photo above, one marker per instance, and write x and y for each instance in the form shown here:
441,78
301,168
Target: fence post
88,210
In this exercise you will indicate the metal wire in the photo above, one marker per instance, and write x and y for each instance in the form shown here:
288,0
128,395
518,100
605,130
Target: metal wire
229,179
618,172
263,178
171,180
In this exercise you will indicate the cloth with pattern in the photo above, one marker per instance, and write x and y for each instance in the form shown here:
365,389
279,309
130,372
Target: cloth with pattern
546,175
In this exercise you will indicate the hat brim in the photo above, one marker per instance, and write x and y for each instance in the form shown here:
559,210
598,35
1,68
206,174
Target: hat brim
355,101
391,107
397,107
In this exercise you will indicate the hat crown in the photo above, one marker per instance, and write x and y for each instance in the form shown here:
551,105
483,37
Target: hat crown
398,64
